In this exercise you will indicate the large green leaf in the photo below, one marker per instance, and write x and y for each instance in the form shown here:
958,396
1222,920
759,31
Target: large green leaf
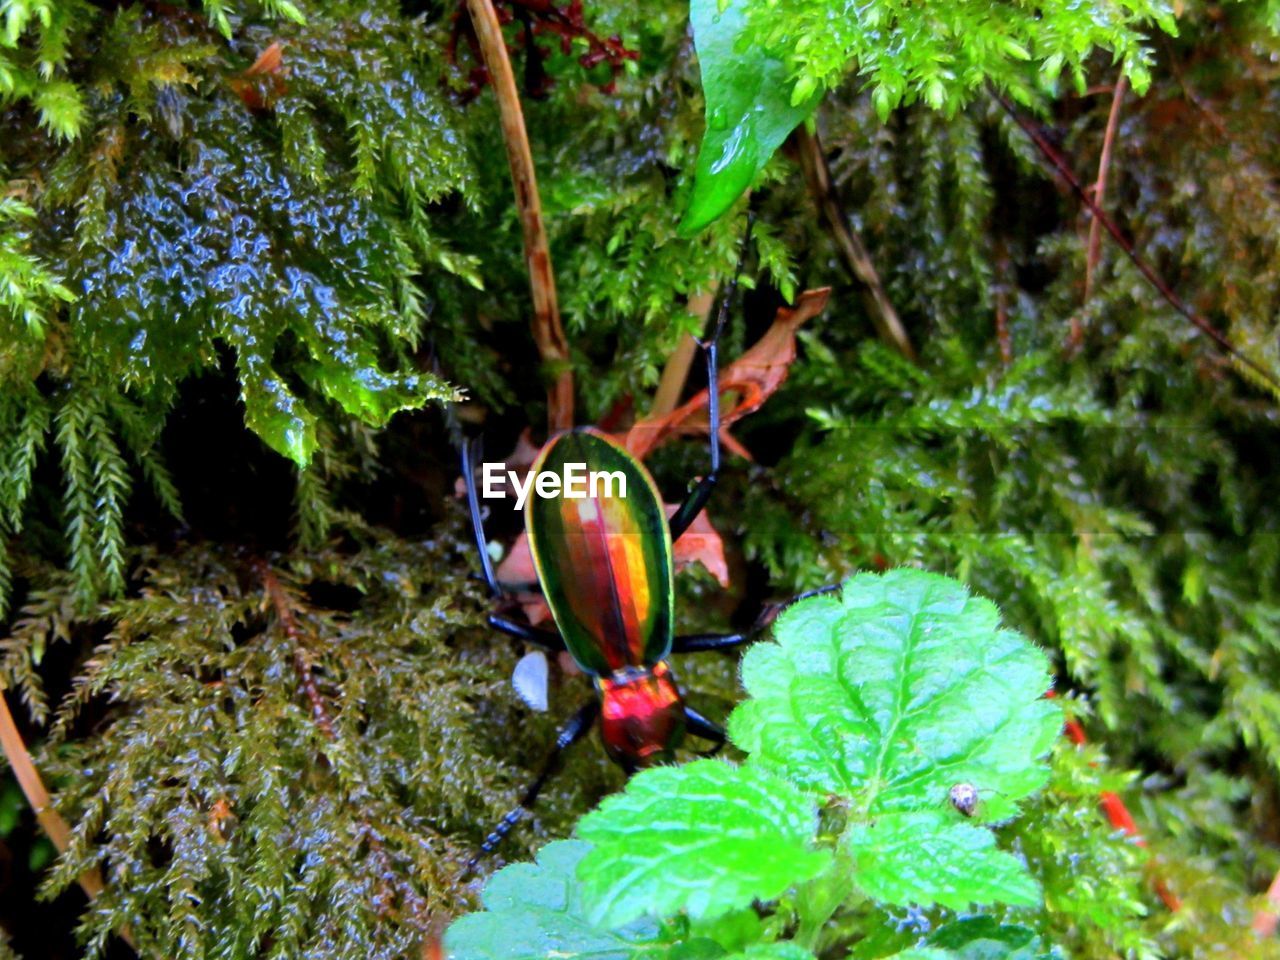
924,858
889,696
705,838
896,691
532,911
751,107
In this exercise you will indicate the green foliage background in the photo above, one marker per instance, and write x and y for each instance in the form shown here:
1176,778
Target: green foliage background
210,311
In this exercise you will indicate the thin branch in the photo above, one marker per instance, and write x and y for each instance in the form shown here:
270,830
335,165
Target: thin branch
33,788
1094,249
302,665
676,370
548,333
818,176
1064,170
1003,272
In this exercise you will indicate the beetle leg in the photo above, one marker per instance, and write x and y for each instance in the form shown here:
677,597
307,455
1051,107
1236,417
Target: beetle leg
700,726
577,727
477,521
699,495
699,642
547,639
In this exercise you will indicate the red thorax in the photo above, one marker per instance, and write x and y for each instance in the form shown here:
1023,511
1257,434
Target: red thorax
641,715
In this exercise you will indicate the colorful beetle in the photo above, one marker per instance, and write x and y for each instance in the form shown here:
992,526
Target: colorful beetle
605,566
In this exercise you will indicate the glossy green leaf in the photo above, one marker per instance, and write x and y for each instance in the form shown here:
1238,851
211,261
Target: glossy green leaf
752,104
925,858
986,938
889,695
705,838
896,691
532,911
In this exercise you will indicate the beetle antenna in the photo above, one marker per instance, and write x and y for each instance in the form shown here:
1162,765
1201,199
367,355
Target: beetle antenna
470,454
731,288
697,499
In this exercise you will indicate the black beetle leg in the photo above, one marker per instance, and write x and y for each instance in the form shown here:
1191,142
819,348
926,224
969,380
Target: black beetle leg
577,727
700,726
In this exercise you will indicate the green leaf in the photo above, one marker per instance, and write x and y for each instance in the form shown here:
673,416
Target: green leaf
978,938
772,951
705,838
751,106
924,858
732,932
986,938
533,911
889,696
893,693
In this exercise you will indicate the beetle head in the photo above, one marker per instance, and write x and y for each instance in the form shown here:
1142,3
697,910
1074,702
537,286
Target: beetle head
641,716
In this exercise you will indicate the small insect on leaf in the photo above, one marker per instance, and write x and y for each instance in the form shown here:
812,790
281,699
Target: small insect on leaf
964,797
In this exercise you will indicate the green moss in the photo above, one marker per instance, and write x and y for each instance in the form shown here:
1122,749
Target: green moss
301,254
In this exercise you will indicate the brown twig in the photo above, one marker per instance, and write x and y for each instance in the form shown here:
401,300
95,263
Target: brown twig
1161,286
548,333
33,788
1093,252
676,370
301,663
818,176
1003,337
